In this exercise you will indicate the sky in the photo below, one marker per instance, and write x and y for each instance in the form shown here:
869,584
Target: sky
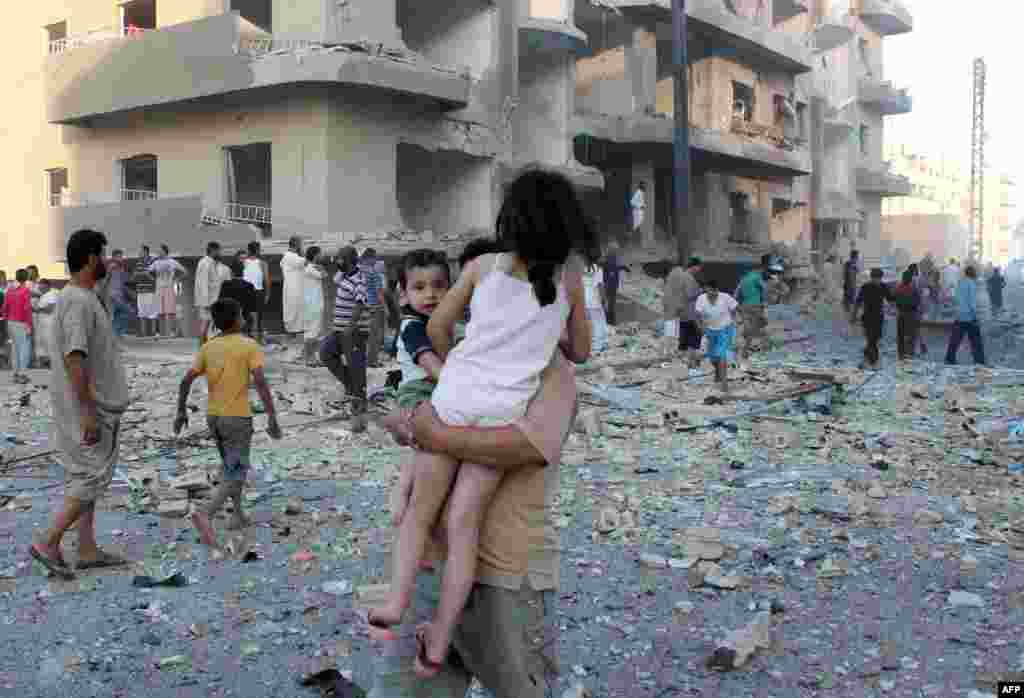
935,62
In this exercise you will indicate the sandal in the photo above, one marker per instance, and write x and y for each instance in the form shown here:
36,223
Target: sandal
55,565
425,668
103,560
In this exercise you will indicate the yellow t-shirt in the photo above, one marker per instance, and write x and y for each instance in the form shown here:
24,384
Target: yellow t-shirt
226,361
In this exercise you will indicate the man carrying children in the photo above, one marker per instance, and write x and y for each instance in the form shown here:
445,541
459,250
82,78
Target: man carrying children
227,361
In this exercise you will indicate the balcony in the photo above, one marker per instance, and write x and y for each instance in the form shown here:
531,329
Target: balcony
887,17
885,98
545,34
751,41
881,181
783,10
247,213
223,54
757,152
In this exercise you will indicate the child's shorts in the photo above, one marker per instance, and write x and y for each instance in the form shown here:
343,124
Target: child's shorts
234,439
720,342
412,393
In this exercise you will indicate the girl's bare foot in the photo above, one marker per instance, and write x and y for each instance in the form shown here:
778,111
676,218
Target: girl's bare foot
397,424
202,523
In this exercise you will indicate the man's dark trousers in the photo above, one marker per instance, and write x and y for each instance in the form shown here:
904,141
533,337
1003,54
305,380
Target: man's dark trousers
612,292
907,330
344,355
873,335
972,330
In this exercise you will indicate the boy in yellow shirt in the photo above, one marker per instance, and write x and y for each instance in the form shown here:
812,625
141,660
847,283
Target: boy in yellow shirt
227,361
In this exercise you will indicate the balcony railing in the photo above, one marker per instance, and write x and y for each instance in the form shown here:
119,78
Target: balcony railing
106,34
247,213
138,195
258,46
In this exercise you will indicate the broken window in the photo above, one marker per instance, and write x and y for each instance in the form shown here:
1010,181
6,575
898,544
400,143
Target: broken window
56,35
138,16
865,133
248,186
56,184
138,178
259,12
742,101
739,212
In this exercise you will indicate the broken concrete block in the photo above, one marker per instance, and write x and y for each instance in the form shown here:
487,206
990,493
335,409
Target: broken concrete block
607,520
727,582
927,517
294,506
174,508
740,645
697,574
590,423
654,561
191,482
877,492
577,691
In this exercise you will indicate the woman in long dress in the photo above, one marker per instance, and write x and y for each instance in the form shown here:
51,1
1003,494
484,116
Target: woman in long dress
593,287
313,319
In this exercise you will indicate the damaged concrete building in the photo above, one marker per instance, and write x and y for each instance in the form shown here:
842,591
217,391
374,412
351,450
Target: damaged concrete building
396,122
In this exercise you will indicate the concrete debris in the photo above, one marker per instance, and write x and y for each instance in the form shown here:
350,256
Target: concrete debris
965,598
737,648
294,506
927,517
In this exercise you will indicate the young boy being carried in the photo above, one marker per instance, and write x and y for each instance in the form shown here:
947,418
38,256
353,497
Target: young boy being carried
227,362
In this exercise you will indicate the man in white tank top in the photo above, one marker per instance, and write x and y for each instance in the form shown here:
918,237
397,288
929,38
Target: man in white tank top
257,272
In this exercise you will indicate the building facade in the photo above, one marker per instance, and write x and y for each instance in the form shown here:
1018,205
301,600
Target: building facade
228,119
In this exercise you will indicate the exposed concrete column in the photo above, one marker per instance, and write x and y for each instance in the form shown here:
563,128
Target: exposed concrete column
642,68
351,20
643,171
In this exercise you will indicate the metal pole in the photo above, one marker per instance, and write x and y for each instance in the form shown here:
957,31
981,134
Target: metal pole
682,221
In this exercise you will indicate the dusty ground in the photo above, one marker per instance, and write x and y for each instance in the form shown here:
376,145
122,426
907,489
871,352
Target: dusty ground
879,515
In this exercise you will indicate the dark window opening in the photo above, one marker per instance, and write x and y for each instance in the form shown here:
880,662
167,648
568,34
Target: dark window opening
57,182
138,178
742,101
801,122
138,15
739,211
55,33
259,12
248,186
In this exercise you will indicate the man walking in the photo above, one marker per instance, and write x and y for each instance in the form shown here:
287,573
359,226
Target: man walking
851,270
752,314
369,264
343,352
966,323
207,289
90,393
613,267
996,284
681,292
872,298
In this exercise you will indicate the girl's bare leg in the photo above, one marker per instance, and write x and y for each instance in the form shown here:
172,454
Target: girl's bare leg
434,474
472,495
397,424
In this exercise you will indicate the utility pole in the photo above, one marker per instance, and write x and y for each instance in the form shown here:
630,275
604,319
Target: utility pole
682,221
976,248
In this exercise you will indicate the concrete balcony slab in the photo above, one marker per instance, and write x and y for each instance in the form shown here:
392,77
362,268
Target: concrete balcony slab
880,181
221,55
711,150
831,32
887,17
884,97
748,41
539,34
787,9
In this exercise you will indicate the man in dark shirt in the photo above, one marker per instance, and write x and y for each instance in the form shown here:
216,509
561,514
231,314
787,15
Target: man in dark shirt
612,267
850,272
872,298
240,290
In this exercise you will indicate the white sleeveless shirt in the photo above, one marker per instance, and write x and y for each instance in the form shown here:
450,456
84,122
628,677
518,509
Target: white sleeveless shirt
510,339
252,271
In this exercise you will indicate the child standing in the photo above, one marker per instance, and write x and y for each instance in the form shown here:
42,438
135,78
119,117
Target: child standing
521,302
227,362
717,313
872,298
313,319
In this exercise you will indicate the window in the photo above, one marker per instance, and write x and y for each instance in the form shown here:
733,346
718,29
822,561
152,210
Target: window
138,178
248,186
742,101
138,15
55,36
865,133
739,211
56,184
801,121
256,11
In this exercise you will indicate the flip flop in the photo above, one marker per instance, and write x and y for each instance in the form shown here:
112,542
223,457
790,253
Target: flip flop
103,561
425,668
58,567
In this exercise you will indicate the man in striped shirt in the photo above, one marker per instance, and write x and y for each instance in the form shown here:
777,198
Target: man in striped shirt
344,351
371,267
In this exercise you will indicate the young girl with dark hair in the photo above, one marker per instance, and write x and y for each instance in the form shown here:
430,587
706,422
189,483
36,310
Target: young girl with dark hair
521,303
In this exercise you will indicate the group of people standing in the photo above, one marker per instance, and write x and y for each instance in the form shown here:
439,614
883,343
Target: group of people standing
26,307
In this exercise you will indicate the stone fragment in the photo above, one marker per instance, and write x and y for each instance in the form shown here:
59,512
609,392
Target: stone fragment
654,561
740,645
698,573
294,506
968,564
927,517
607,520
191,482
578,690
174,508
877,492
965,598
